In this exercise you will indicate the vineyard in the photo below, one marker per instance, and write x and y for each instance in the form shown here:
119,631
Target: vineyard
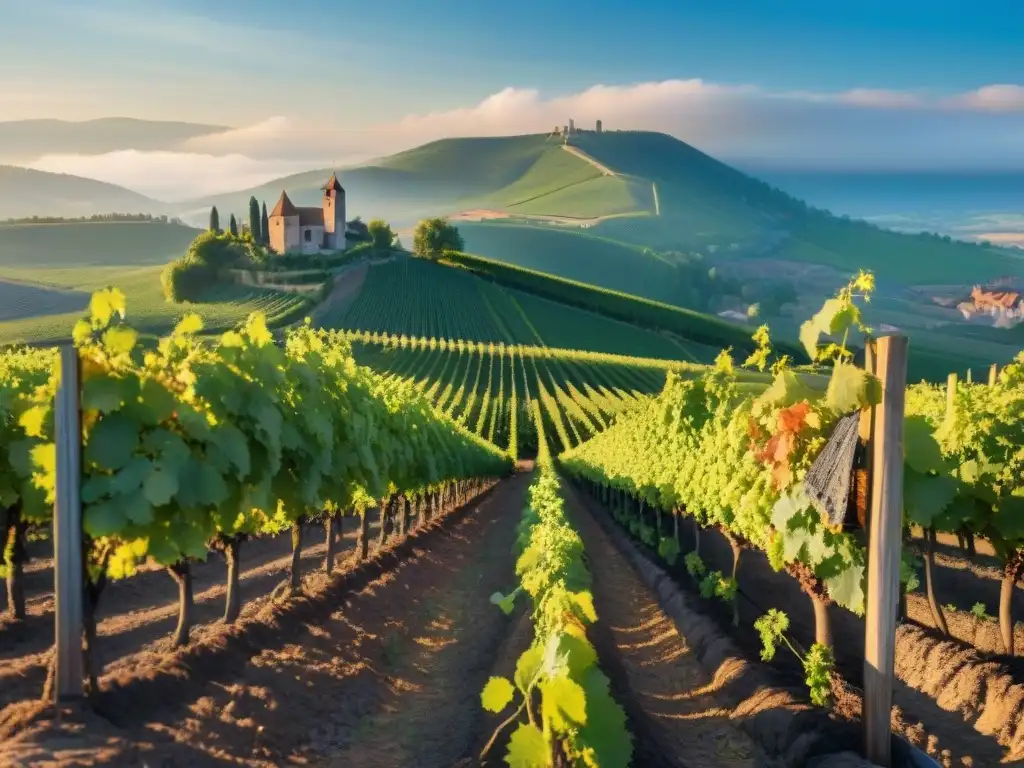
318,549
490,388
416,298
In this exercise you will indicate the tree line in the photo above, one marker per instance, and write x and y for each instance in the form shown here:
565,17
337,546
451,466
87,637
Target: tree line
96,217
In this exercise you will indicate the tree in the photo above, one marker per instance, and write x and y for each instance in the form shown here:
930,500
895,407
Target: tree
214,220
264,226
254,220
233,226
435,236
381,234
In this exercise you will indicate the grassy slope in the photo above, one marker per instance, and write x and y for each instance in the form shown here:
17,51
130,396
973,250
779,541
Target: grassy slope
147,308
576,256
87,256
91,244
699,193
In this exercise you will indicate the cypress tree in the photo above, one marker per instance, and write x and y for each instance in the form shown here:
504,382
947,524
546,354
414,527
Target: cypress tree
254,220
265,226
214,220
233,225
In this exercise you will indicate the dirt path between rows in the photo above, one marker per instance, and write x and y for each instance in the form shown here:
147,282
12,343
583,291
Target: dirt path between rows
139,613
391,676
669,698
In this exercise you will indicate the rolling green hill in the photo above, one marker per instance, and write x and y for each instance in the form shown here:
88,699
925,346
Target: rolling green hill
87,244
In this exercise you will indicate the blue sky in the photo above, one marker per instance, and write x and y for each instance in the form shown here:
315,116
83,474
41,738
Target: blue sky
775,83
160,58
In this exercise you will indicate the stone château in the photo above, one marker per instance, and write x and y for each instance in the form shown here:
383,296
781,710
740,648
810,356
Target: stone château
309,229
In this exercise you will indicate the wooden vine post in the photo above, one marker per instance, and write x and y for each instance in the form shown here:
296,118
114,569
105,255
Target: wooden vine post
884,548
67,531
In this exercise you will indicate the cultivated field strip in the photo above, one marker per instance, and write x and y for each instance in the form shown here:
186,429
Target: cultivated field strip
416,298
491,388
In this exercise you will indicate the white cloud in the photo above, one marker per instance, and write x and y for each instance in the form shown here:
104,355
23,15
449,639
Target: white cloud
170,176
993,98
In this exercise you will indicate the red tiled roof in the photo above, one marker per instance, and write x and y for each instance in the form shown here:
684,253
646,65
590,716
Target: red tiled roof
284,207
311,217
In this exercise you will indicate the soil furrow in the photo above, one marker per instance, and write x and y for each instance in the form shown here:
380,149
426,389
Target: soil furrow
389,675
669,698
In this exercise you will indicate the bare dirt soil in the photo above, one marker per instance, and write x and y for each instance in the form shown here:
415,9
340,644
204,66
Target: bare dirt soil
671,701
385,673
139,613
947,701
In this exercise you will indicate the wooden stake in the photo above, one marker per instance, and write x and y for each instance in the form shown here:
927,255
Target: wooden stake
993,374
67,531
885,544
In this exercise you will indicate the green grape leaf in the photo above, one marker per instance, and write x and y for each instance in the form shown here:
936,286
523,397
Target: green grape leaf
120,340
606,740
156,402
136,507
926,496
161,485
528,667
834,317
585,601
104,518
497,694
847,589
921,450
129,478
851,388
111,442
564,702
102,393
33,420
578,653
527,748
210,486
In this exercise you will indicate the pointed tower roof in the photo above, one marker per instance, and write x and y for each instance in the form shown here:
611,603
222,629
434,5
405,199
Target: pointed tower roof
333,183
284,206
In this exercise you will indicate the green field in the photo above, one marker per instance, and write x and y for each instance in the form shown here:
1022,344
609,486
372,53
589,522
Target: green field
148,310
89,244
577,256
417,298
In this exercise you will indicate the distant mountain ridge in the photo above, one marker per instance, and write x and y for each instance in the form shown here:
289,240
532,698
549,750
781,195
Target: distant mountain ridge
24,140
25,192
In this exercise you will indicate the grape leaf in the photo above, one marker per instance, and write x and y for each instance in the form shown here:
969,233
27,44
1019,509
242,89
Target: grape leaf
528,666
497,694
104,518
527,748
564,702
921,450
102,393
605,737
111,442
925,496
851,388
847,589
161,485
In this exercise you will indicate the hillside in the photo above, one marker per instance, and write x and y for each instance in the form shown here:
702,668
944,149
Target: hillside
22,140
25,192
87,244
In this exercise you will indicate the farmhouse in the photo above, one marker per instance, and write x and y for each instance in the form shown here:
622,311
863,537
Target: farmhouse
1006,307
295,229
